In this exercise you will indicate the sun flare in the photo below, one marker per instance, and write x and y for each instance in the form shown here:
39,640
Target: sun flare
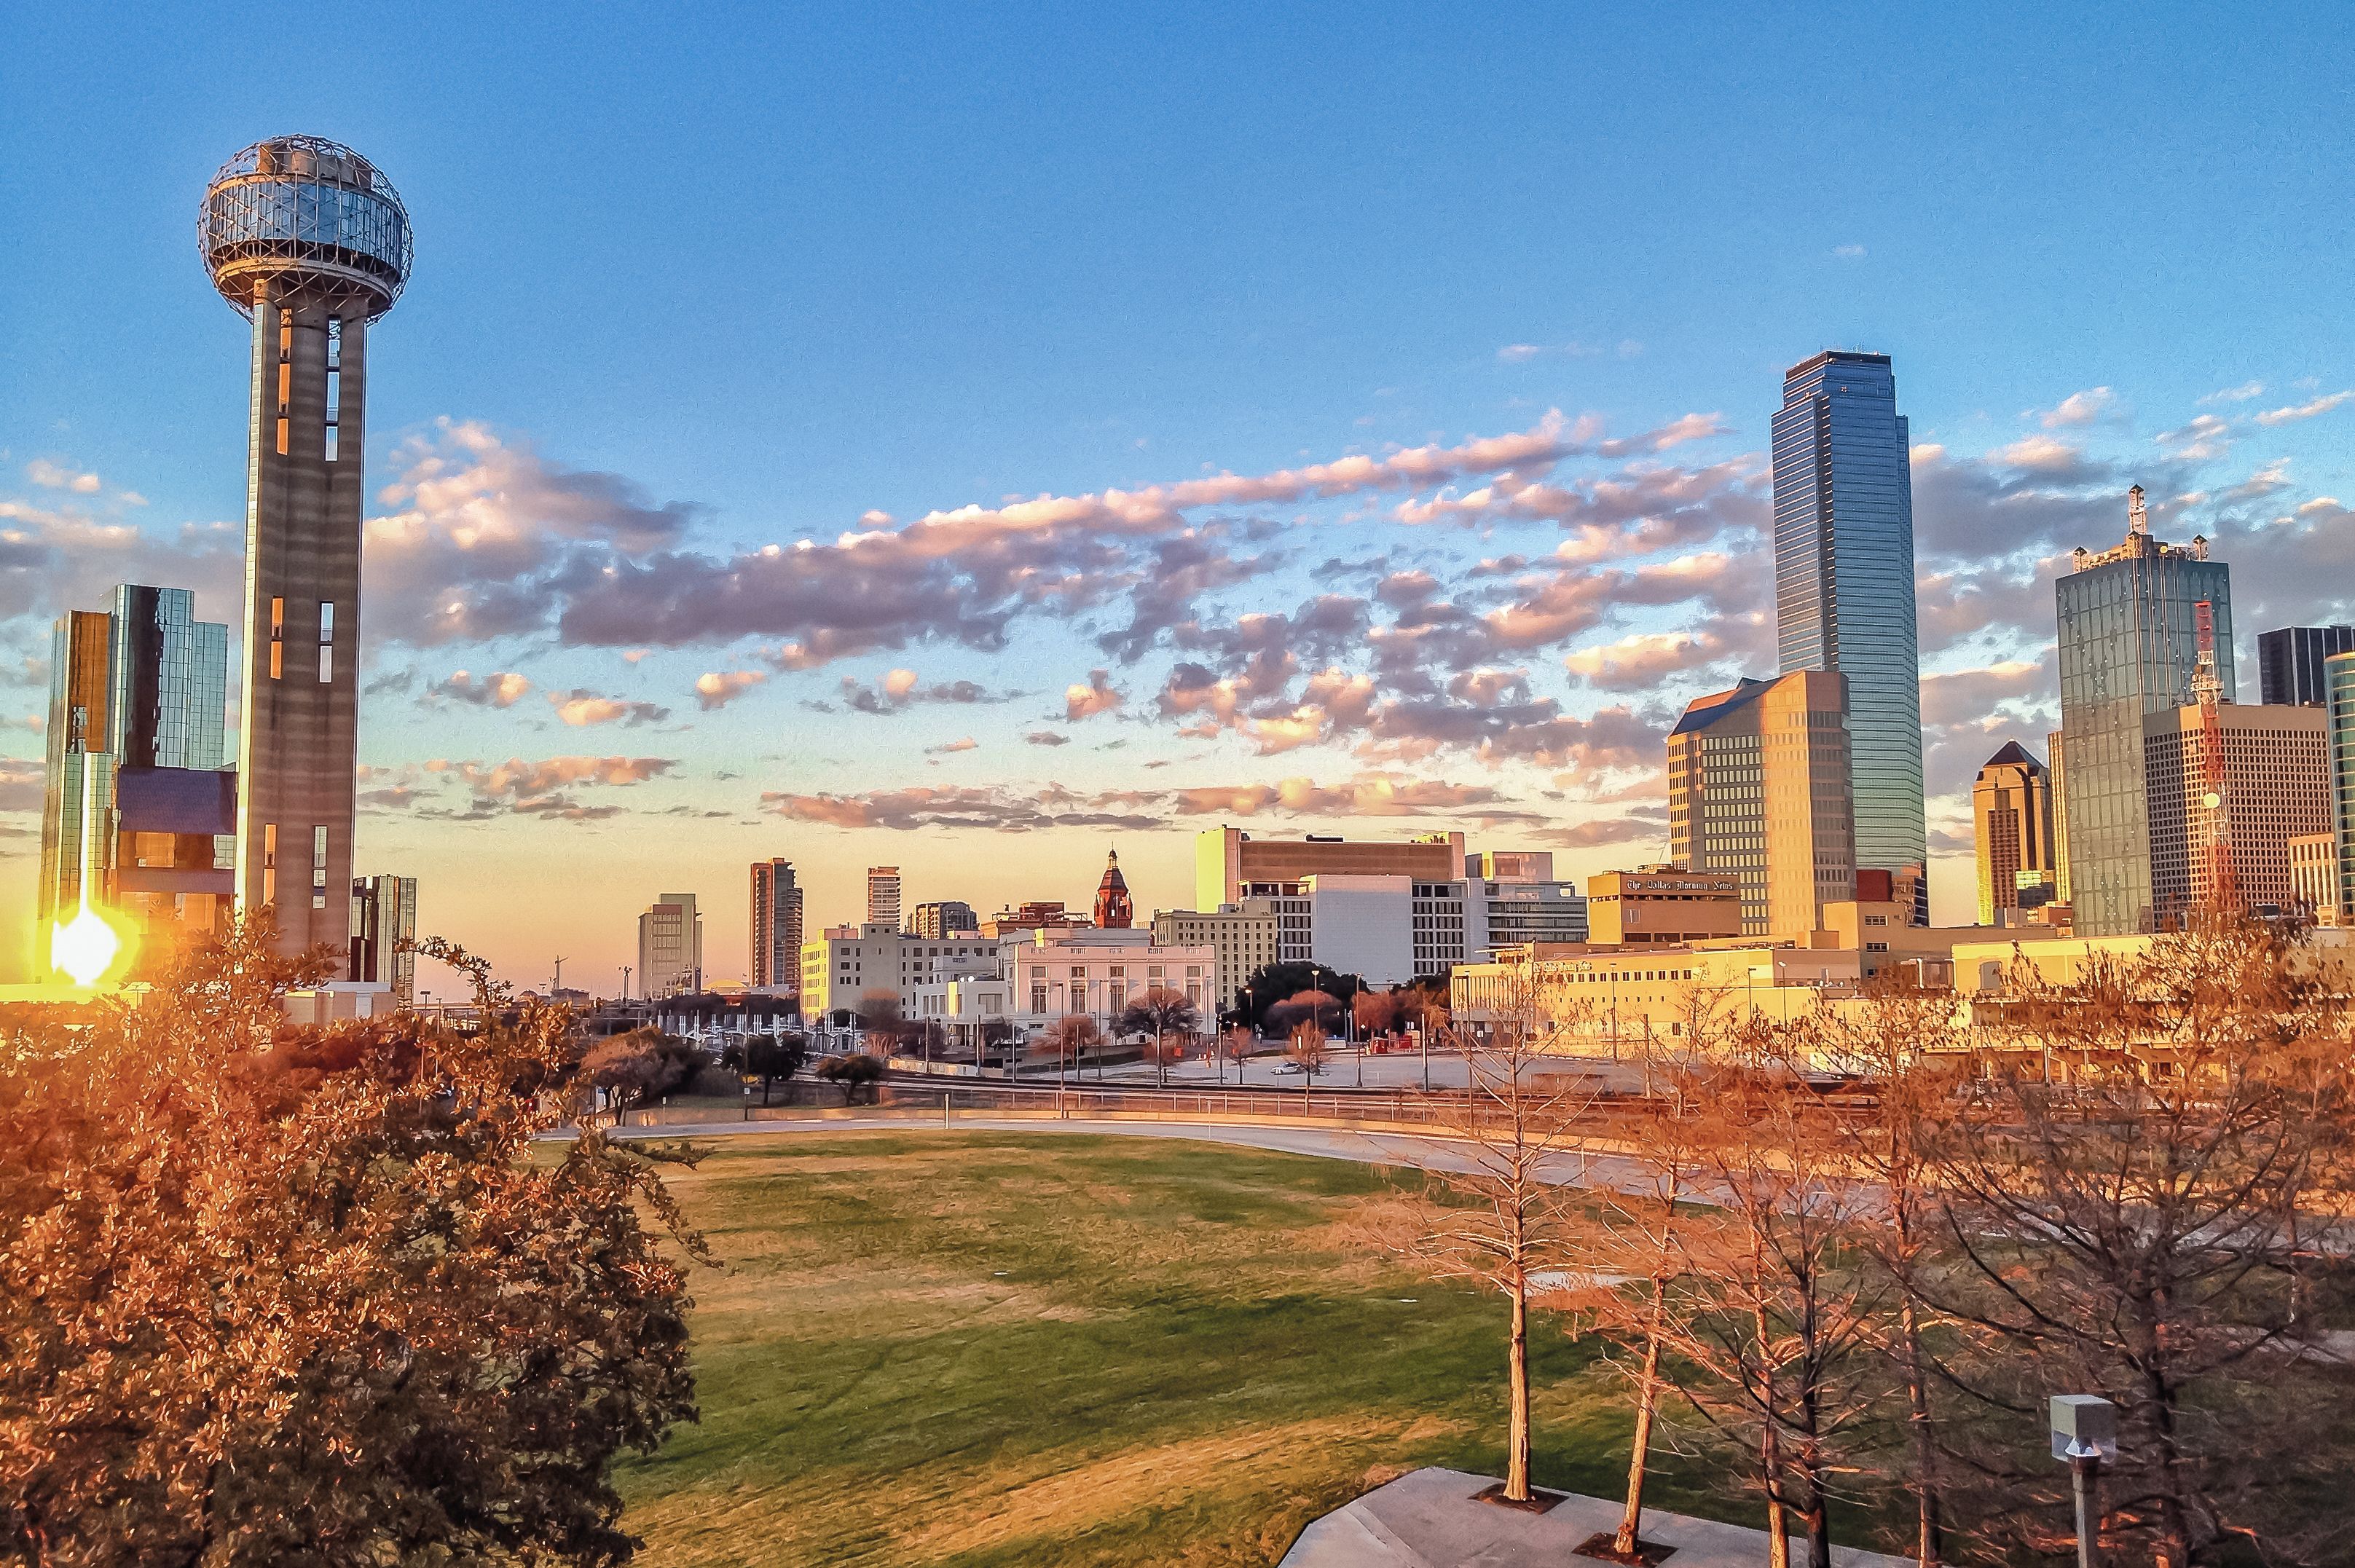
85,947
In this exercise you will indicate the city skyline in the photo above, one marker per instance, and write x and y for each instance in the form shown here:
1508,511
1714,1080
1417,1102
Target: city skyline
1419,562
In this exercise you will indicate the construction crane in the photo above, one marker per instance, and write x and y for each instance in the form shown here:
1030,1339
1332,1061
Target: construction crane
2223,894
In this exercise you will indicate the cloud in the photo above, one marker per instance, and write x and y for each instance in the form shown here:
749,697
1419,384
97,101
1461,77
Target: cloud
1644,660
716,689
899,689
2206,436
2239,394
1601,831
1848,252
22,785
1046,737
498,689
1096,697
949,747
50,476
2304,411
580,708
2049,460
2079,409
1015,810
546,788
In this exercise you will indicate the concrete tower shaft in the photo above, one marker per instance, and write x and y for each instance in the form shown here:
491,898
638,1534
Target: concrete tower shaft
311,242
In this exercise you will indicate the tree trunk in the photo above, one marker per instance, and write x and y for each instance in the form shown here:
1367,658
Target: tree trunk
1769,1463
1517,1364
1647,1399
1929,1543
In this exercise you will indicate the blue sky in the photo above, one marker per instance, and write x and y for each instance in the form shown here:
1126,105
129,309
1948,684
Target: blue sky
695,282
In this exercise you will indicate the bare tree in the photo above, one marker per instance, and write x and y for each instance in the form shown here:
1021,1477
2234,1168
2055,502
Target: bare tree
1306,1047
1067,1042
1231,1045
1503,1220
1766,1327
2130,1212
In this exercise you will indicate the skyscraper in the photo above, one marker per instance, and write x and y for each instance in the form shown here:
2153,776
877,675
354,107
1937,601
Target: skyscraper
1844,587
776,923
2271,773
883,896
2011,814
136,802
384,921
1113,910
2289,662
2058,764
1758,785
310,243
670,947
2128,649
2338,685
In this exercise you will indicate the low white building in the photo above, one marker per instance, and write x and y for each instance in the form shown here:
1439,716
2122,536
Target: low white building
848,962
1053,975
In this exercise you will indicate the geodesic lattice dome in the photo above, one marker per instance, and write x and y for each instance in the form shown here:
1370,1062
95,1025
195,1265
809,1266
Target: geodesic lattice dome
310,212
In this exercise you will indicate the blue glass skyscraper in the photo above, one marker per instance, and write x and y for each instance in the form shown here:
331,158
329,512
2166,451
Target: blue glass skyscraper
1844,588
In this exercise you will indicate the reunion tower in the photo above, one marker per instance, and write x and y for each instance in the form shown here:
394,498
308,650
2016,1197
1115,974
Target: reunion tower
310,243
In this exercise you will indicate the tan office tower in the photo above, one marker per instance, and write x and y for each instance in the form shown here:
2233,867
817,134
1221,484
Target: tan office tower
2011,814
883,896
1758,785
776,923
670,947
2277,787
310,244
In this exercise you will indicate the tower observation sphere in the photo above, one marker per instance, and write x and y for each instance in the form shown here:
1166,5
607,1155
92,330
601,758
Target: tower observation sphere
303,211
310,243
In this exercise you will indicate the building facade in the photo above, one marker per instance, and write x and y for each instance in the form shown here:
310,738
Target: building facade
384,934
2012,819
1844,586
2290,660
1517,913
2277,785
310,243
1241,937
2057,772
670,947
1758,786
1053,978
1662,906
883,896
1040,915
948,917
2314,878
2128,649
1229,864
844,964
776,925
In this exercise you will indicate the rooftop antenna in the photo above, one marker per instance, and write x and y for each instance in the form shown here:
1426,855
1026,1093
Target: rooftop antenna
2138,514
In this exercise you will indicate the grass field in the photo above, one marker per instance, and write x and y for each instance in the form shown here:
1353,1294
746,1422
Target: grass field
996,1348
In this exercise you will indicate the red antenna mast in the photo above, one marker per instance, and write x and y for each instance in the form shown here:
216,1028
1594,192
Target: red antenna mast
2222,891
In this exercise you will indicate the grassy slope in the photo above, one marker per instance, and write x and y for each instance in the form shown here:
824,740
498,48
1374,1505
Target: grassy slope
999,1350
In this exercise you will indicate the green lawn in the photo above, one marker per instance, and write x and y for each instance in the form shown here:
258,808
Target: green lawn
994,1349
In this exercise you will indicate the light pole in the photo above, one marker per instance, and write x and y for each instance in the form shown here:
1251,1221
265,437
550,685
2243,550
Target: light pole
2084,1437
626,982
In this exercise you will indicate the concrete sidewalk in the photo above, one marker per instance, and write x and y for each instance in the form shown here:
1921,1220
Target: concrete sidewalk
1429,1519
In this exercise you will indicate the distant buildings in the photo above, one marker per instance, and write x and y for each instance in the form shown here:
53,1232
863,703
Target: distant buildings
2128,649
137,806
670,947
776,925
1758,785
1113,911
883,896
1021,920
2289,663
2011,817
949,917
1230,864
1844,588
384,926
846,963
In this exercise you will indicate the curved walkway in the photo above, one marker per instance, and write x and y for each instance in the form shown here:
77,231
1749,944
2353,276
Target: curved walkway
1568,1167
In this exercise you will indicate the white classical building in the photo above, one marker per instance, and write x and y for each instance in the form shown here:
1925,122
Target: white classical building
1053,975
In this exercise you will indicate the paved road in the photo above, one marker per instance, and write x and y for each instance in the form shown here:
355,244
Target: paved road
1569,1168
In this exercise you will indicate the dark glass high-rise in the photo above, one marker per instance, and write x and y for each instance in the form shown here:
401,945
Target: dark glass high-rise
1844,587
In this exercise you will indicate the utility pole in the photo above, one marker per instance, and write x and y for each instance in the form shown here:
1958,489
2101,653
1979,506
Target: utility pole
558,983
626,982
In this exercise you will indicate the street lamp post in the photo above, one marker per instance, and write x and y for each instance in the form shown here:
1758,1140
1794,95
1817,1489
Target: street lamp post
2084,1437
